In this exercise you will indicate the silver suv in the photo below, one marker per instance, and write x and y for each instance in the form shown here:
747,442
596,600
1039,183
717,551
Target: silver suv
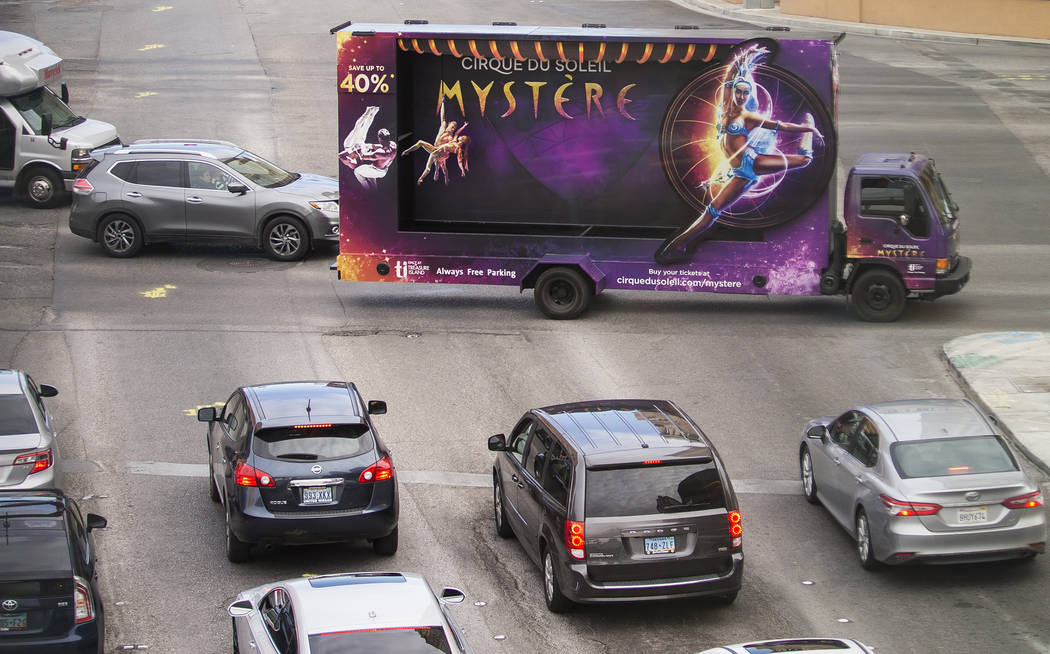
153,191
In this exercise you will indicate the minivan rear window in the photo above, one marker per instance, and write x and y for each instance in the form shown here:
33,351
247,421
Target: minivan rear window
949,457
655,488
312,443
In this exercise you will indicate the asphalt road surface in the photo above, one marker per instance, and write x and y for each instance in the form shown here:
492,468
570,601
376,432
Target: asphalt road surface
136,346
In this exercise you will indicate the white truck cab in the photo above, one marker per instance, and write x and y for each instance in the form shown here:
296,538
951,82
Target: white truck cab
43,143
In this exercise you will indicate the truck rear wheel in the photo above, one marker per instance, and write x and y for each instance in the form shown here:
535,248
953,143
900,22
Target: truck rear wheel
879,296
562,293
42,187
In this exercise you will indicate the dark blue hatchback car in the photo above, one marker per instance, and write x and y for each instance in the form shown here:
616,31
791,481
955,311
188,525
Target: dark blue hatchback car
49,599
301,462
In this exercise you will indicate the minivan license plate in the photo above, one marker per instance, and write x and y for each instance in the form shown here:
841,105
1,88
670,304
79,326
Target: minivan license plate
972,516
659,545
13,622
317,495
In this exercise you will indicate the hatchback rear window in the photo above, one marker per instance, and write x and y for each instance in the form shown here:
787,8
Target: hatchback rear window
952,456
655,488
16,416
408,640
313,443
33,546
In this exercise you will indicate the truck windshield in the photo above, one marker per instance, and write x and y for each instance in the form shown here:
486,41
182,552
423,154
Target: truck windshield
938,192
36,103
260,171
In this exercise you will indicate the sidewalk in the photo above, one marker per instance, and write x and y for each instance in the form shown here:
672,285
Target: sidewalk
1008,375
773,18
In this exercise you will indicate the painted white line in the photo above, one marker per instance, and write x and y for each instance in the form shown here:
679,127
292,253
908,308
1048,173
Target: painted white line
440,478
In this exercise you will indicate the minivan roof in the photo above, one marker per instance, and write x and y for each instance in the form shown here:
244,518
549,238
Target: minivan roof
646,427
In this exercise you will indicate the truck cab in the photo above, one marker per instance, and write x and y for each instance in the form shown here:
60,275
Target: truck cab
43,143
902,235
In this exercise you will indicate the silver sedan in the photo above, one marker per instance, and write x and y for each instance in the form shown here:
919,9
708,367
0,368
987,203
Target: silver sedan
922,480
28,440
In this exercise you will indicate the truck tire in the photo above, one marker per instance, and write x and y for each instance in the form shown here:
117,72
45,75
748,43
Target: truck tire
120,236
879,296
286,239
562,293
42,187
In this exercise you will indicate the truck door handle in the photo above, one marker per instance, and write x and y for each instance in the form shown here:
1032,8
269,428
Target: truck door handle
866,241
194,199
133,194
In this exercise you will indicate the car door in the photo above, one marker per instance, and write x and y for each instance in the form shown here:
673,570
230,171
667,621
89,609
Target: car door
228,436
260,631
857,467
212,211
511,471
832,483
530,494
156,195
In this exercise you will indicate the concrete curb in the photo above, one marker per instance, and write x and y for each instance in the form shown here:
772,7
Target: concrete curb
774,17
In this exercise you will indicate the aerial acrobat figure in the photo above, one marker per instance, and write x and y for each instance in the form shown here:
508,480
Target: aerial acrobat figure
369,161
449,141
748,142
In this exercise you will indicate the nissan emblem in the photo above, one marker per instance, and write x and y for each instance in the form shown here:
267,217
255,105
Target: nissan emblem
316,469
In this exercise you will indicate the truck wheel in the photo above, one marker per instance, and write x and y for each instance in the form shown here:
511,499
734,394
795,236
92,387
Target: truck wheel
120,236
43,188
879,296
286,239
562,293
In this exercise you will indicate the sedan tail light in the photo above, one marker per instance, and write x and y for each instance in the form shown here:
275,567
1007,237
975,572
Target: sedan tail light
574,539
1026,501
84,608
736,530
245,475
41,460
902,508
378,471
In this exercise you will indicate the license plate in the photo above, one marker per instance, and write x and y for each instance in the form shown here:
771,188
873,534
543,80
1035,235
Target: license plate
659,545
317,495
12,621
973,516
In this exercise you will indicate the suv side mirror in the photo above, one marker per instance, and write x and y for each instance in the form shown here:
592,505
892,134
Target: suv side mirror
376,407
239,189
95,521
240,608
451,596
817,431
46,390
498,443
207,414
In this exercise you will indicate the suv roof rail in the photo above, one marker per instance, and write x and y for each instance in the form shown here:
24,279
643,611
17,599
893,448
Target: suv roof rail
185,142
189,153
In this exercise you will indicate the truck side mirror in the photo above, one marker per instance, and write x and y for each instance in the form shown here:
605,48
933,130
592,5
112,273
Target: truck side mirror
904,219
498,443
207,414
46,122
65,93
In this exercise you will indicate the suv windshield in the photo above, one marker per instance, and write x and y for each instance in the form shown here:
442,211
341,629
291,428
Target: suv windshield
951,456
406,640
647,489
16,417
308,443
36,103
260,171
33,545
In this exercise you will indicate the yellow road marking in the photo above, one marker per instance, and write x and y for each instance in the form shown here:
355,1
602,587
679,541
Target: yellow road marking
151,46
162,8
160,291
193,412
145,94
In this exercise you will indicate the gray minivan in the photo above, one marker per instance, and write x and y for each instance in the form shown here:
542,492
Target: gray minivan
618,500
153,191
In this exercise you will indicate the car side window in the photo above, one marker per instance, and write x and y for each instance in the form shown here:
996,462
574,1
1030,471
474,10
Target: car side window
864,442
124,170
558,473
34,394
77,530
235,419
892,198
519,439
841,429
276,611
159,173
206,176
537,453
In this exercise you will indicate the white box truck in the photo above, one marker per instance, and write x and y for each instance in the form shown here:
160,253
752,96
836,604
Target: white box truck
43,143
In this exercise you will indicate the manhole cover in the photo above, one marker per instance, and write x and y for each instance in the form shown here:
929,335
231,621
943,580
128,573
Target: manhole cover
244,265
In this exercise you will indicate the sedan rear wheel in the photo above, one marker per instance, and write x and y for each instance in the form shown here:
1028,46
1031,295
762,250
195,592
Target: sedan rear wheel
864,549
809,482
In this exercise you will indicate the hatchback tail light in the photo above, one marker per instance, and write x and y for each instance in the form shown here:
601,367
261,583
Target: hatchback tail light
574,539
84,608
1026,501
245,475
82,186
901,508
736,530
41,460
378,471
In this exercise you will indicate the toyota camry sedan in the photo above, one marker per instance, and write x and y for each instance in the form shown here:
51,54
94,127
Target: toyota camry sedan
922,481
795,646
355,612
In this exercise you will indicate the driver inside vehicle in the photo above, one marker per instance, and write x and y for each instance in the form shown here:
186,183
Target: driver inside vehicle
210,178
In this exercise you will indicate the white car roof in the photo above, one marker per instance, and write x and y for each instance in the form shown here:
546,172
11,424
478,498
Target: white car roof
368,600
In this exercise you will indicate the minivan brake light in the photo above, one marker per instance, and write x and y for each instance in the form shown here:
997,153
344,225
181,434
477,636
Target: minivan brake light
574,539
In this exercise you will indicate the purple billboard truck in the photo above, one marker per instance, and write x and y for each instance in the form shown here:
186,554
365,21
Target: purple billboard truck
575,160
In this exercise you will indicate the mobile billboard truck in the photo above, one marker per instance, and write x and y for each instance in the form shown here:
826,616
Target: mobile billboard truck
43,143
572,161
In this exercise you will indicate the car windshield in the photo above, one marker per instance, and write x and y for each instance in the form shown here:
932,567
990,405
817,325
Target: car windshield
32,545
407,640
654,488
938,192
36,103
16,416
312,443
260,171
947,457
